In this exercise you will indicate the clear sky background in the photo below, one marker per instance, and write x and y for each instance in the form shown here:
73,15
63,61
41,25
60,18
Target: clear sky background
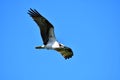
90,27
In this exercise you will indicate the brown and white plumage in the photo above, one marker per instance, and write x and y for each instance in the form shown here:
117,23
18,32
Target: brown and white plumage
48,36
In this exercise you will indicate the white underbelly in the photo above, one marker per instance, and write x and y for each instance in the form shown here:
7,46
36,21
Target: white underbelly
52,45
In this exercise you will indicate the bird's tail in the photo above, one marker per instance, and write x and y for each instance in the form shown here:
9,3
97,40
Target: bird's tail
39,47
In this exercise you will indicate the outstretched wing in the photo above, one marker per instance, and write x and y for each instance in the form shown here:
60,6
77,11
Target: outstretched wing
46,28
66,52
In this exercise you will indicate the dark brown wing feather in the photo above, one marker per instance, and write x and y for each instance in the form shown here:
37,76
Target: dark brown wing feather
43,24
66,52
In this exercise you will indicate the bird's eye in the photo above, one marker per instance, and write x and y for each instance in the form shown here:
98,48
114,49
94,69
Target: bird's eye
60,45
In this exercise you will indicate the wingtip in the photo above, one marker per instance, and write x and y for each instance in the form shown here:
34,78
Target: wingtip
33,13
68,57
31,9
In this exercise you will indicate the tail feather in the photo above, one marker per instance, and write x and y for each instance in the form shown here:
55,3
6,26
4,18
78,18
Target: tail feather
39,47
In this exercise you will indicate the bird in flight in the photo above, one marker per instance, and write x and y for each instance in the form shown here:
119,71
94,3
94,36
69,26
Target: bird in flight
48,36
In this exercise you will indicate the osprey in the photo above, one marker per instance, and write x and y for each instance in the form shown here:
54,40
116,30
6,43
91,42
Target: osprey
48,36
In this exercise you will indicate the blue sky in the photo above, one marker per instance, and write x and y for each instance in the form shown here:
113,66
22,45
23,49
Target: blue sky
90,27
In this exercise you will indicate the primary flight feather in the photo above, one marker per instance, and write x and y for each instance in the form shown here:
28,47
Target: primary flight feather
48,36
